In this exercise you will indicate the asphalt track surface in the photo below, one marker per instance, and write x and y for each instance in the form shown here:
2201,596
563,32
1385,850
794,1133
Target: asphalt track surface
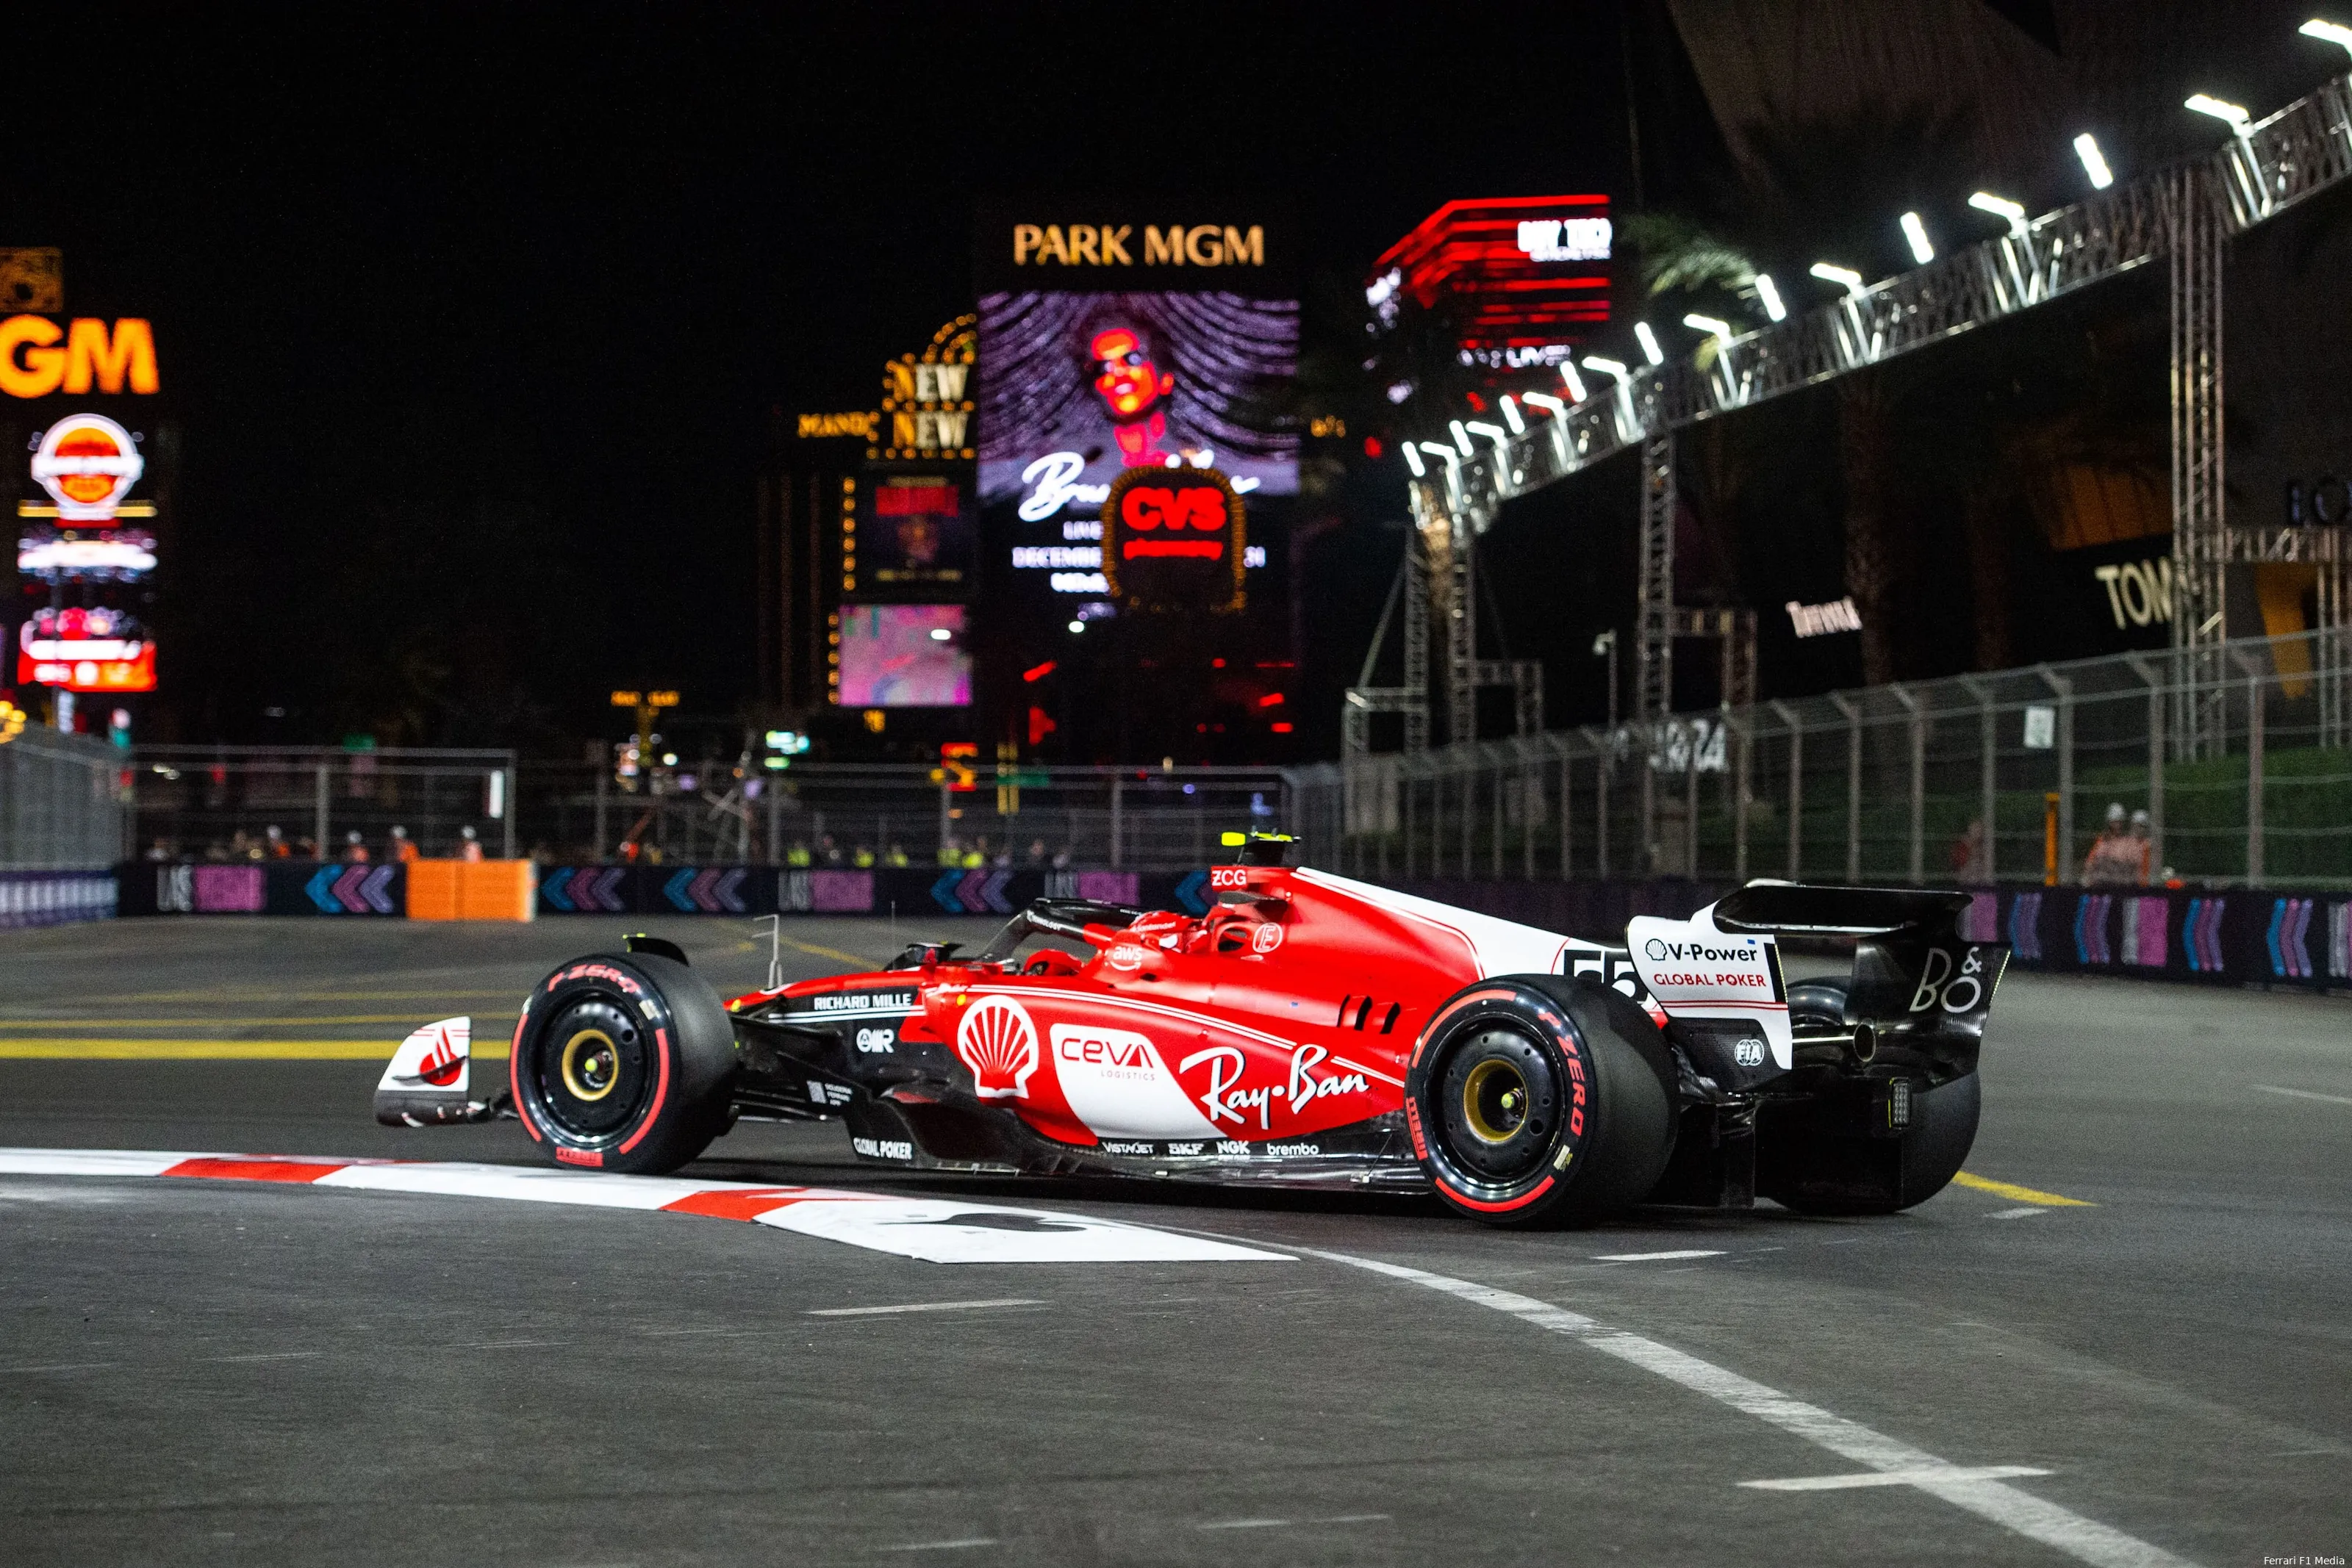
197,1371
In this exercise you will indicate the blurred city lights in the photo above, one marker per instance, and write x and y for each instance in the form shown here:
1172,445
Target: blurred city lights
1845,277
2328,32
1548,403
1493,432
1412,460
2001,207
1574,382
2238,119
1460,437
2095,162
1922,251
1710,325
1649,341
1606,367
1770,293
1512,417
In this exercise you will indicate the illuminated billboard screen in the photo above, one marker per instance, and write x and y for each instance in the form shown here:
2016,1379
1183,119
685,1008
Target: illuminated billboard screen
921,536
85,650
1075,388
904,655
1530,273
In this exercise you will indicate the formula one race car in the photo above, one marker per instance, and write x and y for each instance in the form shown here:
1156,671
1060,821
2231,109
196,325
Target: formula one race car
1309,1031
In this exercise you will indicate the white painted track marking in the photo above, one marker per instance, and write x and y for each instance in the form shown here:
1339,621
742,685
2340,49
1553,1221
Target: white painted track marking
2085,1539
1897,1478
2304,1095
935,1231
919,1307
1647,1257
2015,1213
969,1540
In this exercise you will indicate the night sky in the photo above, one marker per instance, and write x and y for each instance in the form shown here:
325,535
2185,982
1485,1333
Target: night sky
471,317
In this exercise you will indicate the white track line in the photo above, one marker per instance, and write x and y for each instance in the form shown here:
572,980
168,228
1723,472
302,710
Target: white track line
2304,1094
1896,1478
2014,1213
919,1307
1647,1257
2085,1540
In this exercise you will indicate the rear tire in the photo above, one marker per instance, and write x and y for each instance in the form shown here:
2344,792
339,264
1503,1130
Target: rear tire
1809,1160
622,1064
1537,1100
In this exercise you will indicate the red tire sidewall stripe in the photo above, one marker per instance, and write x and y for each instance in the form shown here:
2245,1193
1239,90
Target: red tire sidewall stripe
661,1093
1466,1201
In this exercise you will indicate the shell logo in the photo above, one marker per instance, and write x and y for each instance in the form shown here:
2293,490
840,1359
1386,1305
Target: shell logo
999,1043
88,464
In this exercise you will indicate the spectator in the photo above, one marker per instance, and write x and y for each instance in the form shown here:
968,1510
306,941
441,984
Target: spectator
1061,858
798,855
950,853
895,857
2143,830
274,841
159,851
404,847
1969,857
241,847
827,850
469,845
355,850
2114,861
862,858
1037,854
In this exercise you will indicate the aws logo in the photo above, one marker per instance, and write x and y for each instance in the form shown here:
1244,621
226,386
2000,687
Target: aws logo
33,363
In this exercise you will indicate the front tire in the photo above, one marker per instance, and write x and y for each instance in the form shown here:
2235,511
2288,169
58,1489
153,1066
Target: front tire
622,1064
1537,1100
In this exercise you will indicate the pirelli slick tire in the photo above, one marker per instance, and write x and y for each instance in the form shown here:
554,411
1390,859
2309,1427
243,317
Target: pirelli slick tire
622,1064
1809,1159
1537,1100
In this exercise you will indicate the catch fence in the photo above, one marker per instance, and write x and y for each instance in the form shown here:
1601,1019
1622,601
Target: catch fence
233,803
61,805
2003,777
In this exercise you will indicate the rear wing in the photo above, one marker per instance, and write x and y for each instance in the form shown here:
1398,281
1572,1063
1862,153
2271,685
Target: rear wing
1913,974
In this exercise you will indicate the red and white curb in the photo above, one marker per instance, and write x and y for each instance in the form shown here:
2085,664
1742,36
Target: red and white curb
933,1229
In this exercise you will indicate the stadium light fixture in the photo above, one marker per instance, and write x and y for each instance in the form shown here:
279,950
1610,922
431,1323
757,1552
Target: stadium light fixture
2001,207
1770,293
2234,114
1546,402
1607,368
1649,341
1461,438
1493,432
2095,162
1845,277
2328,32
1922,250
1710,325
1412,460
1511,415
1574,382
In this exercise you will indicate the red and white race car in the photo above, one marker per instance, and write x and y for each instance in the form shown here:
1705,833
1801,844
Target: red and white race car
1310,1030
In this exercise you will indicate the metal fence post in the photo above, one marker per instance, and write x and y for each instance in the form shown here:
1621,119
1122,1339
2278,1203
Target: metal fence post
1690,800
1846,705
1566,816
1745,730
2148,671
2065,688
514,809
2254,726
320,820
1599,804
1787,715
1918,736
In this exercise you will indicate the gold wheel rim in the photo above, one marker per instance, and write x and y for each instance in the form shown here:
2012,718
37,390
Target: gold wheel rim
1502,1083
588,1056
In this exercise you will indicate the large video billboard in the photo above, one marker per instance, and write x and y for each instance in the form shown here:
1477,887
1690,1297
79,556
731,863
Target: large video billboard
1077,387
904,655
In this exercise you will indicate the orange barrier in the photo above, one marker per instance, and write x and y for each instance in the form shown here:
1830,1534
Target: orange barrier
471,890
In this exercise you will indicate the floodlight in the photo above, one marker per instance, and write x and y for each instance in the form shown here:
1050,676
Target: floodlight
1649,341
1922,251
1493,432
1412,460
1453,458
2328,32
1078,625
1710,325
2239,119
1574,382
1511,416
1460,437
1845,277
2095,162
1606,367
1771,295
1546,402
2001,207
